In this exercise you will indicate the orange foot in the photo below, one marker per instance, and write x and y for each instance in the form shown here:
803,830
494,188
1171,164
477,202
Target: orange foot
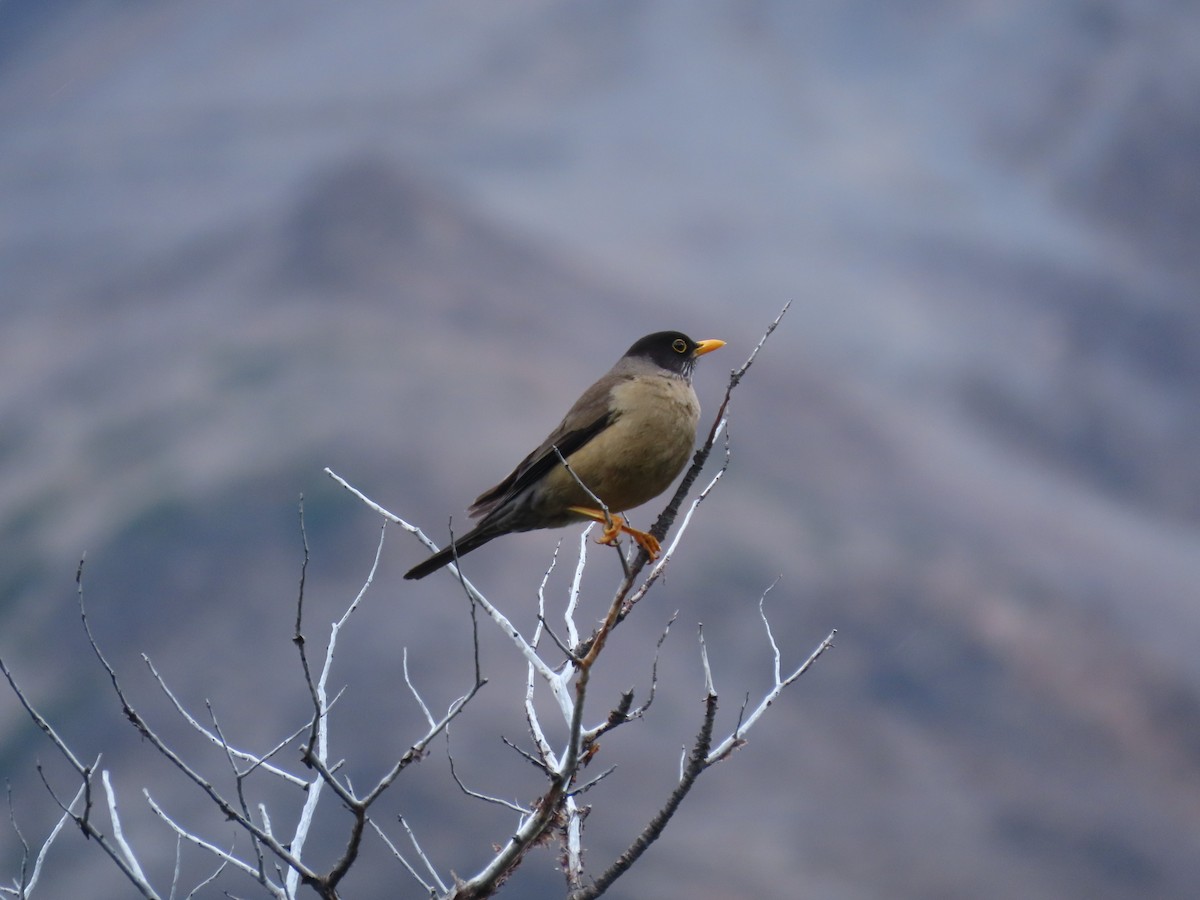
645,540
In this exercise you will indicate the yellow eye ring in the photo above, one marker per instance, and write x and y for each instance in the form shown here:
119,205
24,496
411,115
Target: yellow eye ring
679,345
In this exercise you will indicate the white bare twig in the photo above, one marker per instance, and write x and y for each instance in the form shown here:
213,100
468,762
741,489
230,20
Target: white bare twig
412,838
576,585
226,856
118,833
624,712
487,798
45,725
592,782
574,841
541,594
429,888
549,759
255,760
317,749
746,722
417,694
709,690
175,876
526,648
29,880
206,882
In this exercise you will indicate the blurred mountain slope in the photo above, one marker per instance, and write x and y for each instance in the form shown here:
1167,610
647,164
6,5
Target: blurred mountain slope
238,245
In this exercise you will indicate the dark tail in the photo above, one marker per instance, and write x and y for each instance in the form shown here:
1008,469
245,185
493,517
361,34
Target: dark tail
464,545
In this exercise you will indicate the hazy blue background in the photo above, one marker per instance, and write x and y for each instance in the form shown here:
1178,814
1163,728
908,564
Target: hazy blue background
241,242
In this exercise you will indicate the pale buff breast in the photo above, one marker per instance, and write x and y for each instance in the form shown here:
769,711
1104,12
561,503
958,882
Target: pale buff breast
640,454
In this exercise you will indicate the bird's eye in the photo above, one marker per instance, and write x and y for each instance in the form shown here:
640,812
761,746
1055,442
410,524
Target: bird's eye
679,345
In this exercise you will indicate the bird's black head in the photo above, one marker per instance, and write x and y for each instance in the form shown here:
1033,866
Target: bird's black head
672,350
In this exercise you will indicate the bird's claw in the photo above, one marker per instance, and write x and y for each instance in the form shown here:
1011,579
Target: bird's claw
646,541
613,527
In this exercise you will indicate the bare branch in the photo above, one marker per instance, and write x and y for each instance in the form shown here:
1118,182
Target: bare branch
27,884
573,859
178,866
298,634
576,586
563,770
541,592
421,853
624,711
316,752
83,821
543,625
709,690
40,721
289,856
549,758
390,516
22,880
206,882
417,750
696,764
529,757
498,801
226,856
429,889
420,702
588,785
767,625
119,835
239,782
735,738
254,760
527,649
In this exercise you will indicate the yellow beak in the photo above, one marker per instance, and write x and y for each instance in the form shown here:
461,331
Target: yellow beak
703,347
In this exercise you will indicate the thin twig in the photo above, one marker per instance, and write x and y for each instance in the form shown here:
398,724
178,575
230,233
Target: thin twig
287,856
624,711
527,650
118,832
412,838
429,889
207,881
735,738
498,801
588,785
254,760
541,591
696,764
27,885
417,694
529,757
543,625
576,589
226,856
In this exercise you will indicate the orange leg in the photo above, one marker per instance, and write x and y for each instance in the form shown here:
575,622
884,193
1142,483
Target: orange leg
645,540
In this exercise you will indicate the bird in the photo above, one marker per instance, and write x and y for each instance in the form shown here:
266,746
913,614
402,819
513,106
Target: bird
625,438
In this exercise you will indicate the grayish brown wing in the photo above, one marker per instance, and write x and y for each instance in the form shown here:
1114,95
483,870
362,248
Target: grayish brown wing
590,415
